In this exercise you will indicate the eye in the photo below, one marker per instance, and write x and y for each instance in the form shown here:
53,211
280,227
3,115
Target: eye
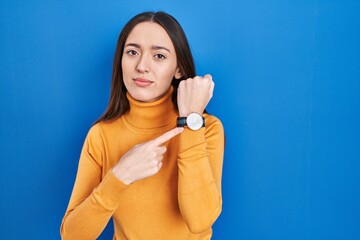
160,56
132,52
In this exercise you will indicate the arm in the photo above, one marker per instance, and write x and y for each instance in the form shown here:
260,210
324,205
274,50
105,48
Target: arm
93,200
200,157
200,170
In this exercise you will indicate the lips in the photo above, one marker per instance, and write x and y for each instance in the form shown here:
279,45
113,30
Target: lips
142,82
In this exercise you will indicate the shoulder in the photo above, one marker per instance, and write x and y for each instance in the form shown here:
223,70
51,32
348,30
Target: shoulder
211,120
213,123
101,129
94,135
214,131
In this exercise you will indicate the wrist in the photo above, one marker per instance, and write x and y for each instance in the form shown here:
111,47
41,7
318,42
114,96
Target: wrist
122,177
193,121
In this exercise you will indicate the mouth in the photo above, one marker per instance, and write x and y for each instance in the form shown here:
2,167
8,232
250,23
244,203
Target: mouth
142,82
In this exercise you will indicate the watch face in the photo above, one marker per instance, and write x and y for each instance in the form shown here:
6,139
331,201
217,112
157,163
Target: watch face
194,121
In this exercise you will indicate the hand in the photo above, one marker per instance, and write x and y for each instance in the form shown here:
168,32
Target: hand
143,160
194,94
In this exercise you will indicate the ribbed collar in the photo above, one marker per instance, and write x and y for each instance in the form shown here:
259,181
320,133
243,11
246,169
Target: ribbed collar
151,117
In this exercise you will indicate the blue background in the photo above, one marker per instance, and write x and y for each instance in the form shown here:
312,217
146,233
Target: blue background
287,77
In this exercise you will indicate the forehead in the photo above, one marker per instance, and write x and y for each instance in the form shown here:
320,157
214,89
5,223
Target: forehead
149,34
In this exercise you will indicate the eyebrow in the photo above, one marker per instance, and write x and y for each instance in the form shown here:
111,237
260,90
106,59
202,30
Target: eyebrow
152,47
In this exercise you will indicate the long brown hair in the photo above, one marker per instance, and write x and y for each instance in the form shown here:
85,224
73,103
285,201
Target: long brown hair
118,103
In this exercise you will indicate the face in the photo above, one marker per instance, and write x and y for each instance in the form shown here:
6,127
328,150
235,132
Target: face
149,62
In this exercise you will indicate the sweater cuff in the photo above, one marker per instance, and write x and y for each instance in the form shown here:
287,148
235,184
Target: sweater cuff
109,191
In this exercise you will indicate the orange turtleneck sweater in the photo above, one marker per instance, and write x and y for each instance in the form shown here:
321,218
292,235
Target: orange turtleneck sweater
181,201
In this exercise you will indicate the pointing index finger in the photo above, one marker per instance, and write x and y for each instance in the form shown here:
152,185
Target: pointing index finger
167,136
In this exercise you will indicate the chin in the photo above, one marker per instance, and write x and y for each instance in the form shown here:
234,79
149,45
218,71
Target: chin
141,96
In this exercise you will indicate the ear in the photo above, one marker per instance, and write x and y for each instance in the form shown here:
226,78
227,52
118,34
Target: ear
178,73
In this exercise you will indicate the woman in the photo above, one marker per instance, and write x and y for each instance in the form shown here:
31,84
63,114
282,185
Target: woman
153,161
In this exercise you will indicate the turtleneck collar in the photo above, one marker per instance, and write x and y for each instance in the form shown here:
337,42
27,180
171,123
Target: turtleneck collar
151,117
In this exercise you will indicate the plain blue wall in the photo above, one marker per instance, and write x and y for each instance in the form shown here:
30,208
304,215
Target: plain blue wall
287,77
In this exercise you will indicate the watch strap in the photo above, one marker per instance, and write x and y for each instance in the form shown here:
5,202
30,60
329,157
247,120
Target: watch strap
181,122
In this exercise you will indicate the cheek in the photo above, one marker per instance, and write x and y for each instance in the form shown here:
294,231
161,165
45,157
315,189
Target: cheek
166,79
125,73
168,73
126,68
124,65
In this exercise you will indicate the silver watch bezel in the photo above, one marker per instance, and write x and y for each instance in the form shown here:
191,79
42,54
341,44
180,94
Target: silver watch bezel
194,121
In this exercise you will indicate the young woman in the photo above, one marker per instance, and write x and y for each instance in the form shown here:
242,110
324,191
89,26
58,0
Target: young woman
153,161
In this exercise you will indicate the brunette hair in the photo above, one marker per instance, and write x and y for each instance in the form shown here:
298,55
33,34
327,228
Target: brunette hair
118,103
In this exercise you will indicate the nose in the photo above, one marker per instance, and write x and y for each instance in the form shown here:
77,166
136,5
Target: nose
143,65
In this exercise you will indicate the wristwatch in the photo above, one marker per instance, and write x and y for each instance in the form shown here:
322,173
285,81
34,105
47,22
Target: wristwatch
194,121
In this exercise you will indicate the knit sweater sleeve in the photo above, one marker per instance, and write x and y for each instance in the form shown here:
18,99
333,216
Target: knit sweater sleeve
200,170
94,199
